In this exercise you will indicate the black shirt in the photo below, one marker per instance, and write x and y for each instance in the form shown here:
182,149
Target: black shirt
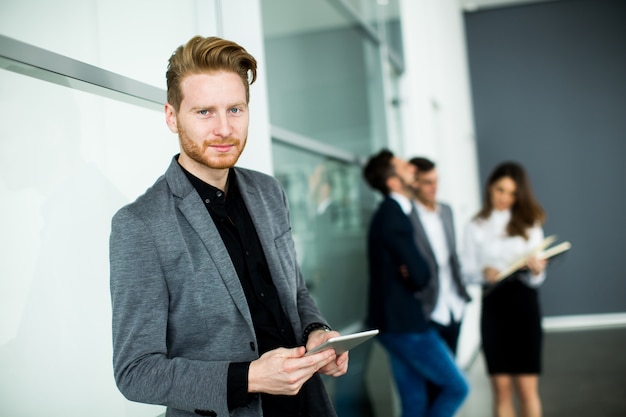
272,328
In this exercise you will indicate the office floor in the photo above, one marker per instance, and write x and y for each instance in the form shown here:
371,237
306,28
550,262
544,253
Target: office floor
584,376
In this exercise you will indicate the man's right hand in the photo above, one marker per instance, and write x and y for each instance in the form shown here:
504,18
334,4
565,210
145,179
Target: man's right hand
283,371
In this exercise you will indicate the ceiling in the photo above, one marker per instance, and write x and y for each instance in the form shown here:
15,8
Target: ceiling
287,17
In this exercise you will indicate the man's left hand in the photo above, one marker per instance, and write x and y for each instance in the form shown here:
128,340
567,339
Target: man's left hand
335,368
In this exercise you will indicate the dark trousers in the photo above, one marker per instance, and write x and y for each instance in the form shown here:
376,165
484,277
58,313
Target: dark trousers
449,334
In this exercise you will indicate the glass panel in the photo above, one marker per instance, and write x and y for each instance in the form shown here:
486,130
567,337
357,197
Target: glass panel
321,75
393,107
384,15
390,16
328,220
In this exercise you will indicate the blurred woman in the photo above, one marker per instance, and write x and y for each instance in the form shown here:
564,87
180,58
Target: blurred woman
507,228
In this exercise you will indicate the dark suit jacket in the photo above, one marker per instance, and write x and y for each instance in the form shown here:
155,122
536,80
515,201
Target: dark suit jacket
180,316
430,293
393,306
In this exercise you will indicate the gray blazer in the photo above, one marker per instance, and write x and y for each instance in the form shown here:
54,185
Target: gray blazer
429,294
180,316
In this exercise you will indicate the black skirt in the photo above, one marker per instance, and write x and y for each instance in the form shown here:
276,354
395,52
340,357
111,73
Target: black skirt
510,328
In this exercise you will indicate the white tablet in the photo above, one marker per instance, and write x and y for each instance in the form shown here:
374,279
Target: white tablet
345,342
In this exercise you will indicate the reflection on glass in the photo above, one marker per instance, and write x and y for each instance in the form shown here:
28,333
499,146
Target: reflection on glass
327,75
328,223
384,17
324,77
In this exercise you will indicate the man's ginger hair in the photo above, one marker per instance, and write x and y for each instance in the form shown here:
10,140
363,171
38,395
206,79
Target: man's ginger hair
207,55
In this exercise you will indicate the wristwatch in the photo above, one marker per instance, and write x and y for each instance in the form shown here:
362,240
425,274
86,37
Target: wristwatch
311,328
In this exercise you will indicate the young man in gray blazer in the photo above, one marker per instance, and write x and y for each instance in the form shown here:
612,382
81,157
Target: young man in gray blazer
445,296
211,315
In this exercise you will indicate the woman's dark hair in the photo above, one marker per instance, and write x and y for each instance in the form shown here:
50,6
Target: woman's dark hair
526,211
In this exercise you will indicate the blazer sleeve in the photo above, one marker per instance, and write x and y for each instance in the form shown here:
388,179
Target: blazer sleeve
143,370
399,242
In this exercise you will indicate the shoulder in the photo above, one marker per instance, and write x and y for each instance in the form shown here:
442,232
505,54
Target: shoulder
535,233
152,201
389,205
172,185
252,175
261,190
254,178
445,208
388,213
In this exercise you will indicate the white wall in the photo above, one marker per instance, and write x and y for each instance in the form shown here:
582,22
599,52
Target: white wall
437,117
68,161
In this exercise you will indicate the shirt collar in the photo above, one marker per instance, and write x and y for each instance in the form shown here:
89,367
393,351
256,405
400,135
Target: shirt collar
405,203
213,197
422,209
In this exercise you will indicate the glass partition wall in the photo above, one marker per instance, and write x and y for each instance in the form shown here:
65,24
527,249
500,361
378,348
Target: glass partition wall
332,82
332,72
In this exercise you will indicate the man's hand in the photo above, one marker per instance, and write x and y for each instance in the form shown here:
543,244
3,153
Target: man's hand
337,367
283,371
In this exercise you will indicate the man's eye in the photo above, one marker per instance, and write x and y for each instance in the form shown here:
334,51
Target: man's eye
235,110
203,112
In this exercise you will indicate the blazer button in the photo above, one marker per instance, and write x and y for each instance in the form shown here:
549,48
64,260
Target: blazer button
252,346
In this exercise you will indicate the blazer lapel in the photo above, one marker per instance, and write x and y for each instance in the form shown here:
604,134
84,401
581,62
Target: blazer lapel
446,220
195,212
420,237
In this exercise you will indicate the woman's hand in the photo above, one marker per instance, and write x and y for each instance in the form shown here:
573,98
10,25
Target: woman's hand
490,274
536,265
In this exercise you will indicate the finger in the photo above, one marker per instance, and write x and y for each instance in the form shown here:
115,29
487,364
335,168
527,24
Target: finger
296,352
317,338
299,351
343,358
337,370
322,359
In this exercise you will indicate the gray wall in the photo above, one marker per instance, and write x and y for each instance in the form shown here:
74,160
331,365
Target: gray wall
549,91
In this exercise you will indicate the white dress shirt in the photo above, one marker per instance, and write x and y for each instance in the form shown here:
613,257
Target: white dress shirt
449,302
486,243
405,203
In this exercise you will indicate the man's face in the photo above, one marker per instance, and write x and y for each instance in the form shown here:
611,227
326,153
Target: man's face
426,190
212,121
405,173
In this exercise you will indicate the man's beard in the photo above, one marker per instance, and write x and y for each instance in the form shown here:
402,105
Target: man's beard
196,151
408,188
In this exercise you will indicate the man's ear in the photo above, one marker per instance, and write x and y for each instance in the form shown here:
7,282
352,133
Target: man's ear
170,118
392,183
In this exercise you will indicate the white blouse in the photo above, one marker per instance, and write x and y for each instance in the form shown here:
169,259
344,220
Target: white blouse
486,243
